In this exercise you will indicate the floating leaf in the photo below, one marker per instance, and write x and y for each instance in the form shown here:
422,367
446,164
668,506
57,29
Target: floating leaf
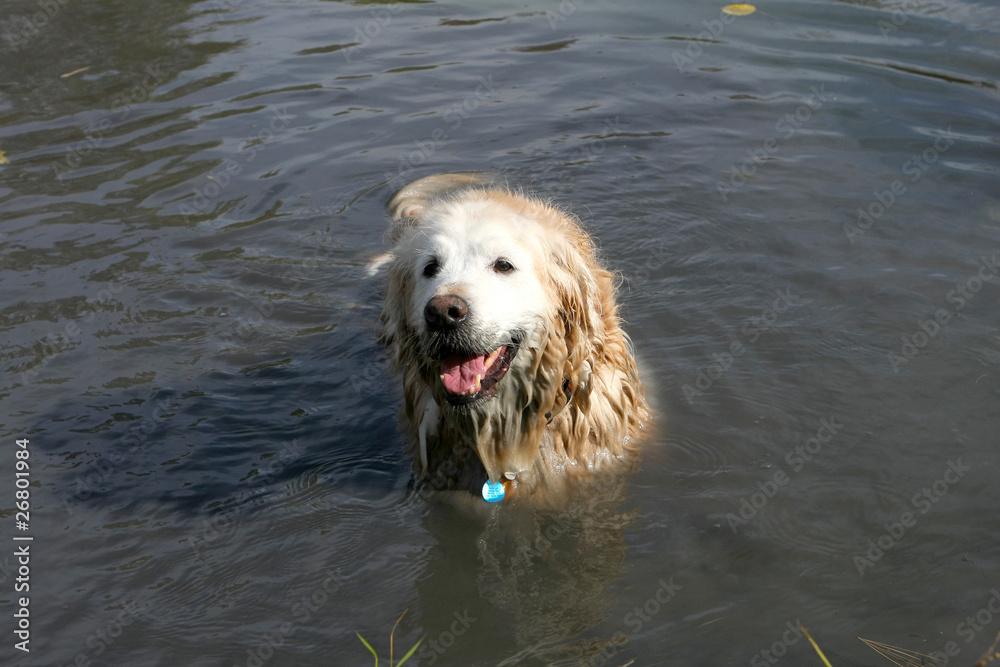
3,158
741,9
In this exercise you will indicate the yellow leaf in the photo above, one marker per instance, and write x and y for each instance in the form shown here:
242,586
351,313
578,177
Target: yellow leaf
3,158
739,10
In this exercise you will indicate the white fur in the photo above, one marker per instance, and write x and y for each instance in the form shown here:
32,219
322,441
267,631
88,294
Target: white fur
466,238
571,402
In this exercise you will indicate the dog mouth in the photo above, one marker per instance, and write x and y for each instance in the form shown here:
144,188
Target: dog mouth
468,378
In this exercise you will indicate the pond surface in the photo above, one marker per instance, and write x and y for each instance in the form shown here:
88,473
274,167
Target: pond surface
803,203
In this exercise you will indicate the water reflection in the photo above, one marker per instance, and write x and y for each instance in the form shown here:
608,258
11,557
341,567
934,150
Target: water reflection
536,579
185,218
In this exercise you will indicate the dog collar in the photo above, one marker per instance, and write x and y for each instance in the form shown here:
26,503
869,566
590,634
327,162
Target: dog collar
494,492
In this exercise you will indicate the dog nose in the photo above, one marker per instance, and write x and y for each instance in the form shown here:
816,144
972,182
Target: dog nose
445,312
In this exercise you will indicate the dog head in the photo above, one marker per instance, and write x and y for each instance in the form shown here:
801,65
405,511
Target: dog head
497,306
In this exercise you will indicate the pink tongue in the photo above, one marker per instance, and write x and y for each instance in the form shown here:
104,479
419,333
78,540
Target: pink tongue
459,373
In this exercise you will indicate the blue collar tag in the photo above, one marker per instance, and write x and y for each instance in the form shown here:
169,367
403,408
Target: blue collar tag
493,492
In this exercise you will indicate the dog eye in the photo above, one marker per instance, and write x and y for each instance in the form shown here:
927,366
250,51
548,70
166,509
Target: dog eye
432,269
502,266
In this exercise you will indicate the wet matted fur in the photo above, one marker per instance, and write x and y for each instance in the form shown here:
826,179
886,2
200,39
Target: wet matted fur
505,328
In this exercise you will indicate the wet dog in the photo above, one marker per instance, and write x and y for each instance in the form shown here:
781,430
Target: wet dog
518,378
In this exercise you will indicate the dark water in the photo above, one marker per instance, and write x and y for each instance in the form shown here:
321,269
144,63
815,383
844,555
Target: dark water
804,204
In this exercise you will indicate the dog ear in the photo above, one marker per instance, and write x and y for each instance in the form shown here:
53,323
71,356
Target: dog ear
586,307
408,205
599,377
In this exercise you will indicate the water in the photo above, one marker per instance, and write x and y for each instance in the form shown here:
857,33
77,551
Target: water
217,474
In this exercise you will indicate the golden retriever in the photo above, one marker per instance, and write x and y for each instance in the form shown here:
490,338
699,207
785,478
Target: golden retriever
518,379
